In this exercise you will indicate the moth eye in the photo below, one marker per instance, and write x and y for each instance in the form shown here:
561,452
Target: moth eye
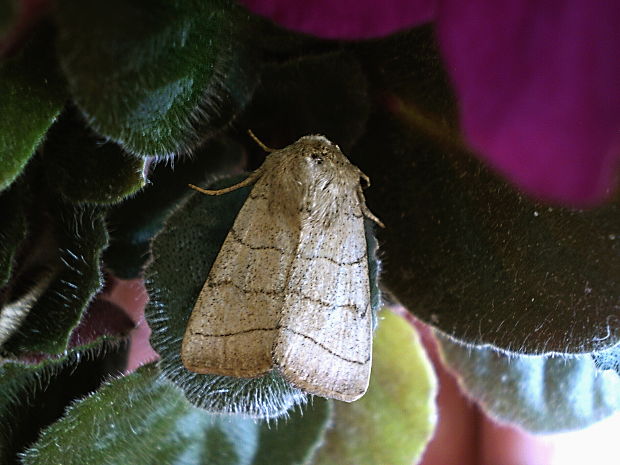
364,182
317,158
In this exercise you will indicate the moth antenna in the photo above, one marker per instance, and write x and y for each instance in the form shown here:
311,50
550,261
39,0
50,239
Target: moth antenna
368,214
365,210
260,143
246,182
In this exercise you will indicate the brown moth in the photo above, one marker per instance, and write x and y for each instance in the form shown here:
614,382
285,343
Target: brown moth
289,288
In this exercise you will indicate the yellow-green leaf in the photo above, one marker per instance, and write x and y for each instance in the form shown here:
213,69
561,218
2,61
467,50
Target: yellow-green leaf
395,419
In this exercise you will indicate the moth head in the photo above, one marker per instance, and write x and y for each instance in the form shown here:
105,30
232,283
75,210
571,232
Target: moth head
323,158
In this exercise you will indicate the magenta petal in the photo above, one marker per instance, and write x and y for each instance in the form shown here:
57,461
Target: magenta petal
538,84
345,19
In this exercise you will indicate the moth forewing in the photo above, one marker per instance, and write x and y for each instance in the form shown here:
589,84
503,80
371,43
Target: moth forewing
234,322
325,340
289,288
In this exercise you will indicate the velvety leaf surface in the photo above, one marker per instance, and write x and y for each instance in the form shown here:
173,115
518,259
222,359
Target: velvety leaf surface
542,394
394,420
134,222
15,310
171,71
8,11
467,253
101,322
406,68
325,94
31,97
79,235
27,270
35,395
279,45
294,439
83,167
143,418
16,380
182,257
12,232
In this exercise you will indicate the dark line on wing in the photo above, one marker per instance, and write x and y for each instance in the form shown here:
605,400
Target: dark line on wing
322,303
238,239
277,328
309,385
237,333
327,349
229,282
336,262
278,293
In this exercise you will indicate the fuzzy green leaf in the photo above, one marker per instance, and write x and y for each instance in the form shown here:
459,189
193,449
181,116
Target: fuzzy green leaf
31,97
182,257
15,309
12,232
85,169
19,384
78,238
395,419
467,253
145,419
542,394
140,419
171,72
8,11
134,222
325,94
34,395
295,439
407,66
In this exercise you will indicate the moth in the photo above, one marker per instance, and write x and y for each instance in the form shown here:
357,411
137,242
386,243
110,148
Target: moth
289,288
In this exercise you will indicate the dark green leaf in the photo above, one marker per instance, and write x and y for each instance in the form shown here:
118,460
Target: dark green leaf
8,11
325,94
14,311
157,77
294,439
142,419
145,419
78,236
134,222
395,419
31,97
408,67
86,169
33,396
467,253
542,394
12,232
279,45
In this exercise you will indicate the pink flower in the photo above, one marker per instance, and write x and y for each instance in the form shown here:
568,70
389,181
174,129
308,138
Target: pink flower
538,83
